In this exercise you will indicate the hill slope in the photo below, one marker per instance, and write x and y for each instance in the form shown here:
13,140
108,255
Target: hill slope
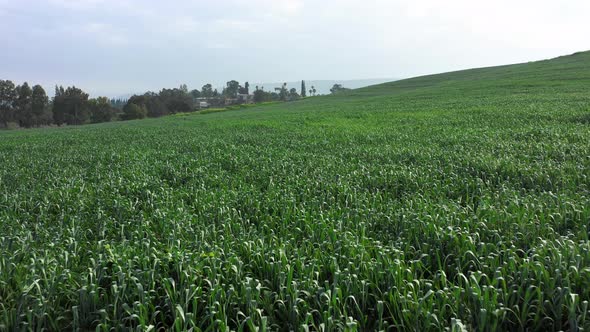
445,201
553,73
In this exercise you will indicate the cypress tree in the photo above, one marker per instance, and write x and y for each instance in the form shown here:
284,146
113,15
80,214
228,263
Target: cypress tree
303,90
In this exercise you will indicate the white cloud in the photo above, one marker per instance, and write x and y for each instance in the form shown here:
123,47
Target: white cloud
104,34
218,46
290,7
274,7
184,24
77,4
234,26
316,38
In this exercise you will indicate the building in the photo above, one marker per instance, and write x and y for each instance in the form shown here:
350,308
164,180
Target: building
202,103
244,98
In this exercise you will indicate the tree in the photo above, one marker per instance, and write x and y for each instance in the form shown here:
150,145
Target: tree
58,107
207,91
261,96
247,87
303,91
313,90
155,107
176,100
118,103
293,95
258,95
195,93
231,89
153,103
338,88
133,111
70,106
101,110
283,92
78,108
39,103
7,102
24,107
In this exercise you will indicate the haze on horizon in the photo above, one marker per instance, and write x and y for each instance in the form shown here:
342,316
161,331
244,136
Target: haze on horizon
112,47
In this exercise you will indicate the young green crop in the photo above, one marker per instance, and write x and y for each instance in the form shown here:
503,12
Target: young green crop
459,201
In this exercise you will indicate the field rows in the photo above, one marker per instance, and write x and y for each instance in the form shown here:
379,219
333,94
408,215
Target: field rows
421,211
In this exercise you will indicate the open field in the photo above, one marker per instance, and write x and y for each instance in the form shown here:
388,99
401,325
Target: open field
457,201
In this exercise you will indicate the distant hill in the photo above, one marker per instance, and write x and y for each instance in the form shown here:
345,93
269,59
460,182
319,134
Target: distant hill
323,86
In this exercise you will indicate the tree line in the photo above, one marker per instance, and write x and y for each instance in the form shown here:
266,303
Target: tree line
26,107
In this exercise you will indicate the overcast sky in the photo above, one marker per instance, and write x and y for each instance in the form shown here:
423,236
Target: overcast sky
114,47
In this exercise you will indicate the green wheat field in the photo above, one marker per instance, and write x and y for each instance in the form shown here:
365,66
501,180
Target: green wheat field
457,202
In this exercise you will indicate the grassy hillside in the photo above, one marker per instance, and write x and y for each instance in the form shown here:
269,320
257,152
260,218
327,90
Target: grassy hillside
458,200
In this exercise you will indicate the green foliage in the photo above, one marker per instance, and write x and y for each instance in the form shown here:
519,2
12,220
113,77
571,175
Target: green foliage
455,202
282,92
235,107
41,114
24,107
231,89
293,95
8,97
338,88
70,106
118,103
212,110
261,96
176,100
168,101
101,110
207,91
195,93
303,90
154,104
133,111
